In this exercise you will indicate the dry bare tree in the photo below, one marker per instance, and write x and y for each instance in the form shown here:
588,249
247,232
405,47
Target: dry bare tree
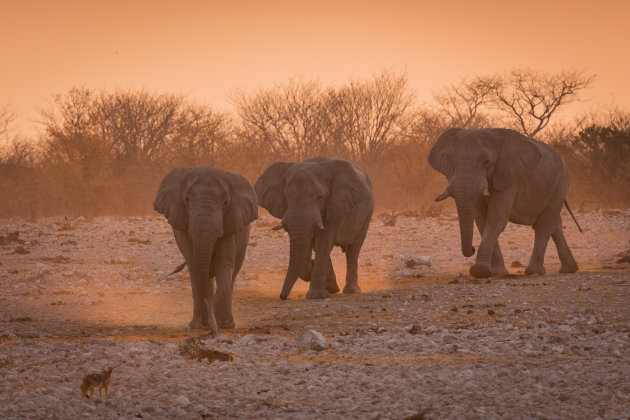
367,115
463,103
530,98
6,118
201,137
138,124
291,119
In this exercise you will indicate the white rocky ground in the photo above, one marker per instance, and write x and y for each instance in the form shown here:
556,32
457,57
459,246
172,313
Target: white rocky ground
81,295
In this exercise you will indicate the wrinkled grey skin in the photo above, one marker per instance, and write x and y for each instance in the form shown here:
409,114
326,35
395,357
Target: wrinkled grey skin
210,211
322,202
496,175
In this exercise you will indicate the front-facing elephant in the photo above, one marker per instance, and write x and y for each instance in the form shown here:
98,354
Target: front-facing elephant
210,211
496,175
322,202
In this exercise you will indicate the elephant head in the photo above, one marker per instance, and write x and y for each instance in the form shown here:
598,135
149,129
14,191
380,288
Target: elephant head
308,196
478,163
207,204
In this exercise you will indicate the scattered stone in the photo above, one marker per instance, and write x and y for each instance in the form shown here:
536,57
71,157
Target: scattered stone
414,262
312,340
413,329
516,264
181,401
583,287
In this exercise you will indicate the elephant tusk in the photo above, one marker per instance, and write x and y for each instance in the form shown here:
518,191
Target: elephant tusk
485,193
278,227
320,226
443,196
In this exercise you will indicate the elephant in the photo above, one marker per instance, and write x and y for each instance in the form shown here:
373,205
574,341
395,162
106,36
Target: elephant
496,175
322,203
210,212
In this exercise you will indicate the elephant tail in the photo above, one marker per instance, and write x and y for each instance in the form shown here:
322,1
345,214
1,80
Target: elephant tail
566,204
181,267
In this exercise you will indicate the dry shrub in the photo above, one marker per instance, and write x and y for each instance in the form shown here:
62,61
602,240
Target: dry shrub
106,152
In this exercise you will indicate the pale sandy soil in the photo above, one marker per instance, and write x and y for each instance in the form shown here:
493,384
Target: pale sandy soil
92,294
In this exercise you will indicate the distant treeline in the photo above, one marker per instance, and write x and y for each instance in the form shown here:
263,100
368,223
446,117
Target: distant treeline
104,153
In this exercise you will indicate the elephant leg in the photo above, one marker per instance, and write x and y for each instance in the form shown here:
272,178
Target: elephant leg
224,267
497,265
537,261
352,260
496,220
546,223
564,253
352,270
242,238
331,278
323,246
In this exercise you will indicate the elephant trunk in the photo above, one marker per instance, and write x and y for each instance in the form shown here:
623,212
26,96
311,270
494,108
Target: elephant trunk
203,245
465,203
299,260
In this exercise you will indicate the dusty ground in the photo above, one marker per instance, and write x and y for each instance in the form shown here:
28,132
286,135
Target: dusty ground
77,296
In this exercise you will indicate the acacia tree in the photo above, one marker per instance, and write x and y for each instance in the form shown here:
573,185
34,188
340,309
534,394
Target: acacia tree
530,98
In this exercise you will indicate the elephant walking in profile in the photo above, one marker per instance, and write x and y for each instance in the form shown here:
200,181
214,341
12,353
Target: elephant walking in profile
210,211
322,202
496,175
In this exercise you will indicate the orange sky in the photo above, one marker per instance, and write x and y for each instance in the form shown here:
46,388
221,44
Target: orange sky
206,49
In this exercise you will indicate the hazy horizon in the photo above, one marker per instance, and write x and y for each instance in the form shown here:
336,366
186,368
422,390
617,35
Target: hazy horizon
208,49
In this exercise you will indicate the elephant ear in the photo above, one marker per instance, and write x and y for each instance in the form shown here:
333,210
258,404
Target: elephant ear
169,200
348,185
518,155
441,157
243,208
270,189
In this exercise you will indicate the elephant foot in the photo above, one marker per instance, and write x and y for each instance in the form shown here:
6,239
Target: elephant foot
535,269
351,289
317,294
199,324
480,271
499,271
225,324
196,324
571,267
331,285
332,289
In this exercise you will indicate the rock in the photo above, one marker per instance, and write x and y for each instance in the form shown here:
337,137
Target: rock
413,329
312,340
181,401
